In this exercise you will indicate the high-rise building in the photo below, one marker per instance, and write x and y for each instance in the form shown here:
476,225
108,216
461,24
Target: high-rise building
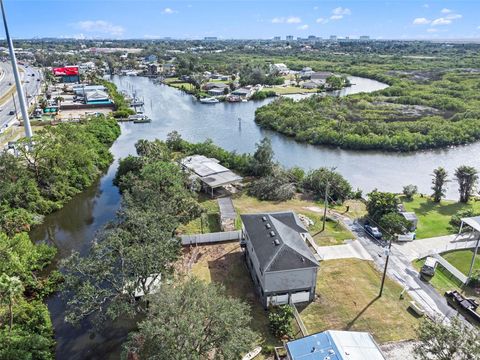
312,37
289,37
210,38
364,37
333,37
277,38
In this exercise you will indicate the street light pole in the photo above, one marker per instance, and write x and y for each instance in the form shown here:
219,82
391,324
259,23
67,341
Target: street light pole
385,270
18,84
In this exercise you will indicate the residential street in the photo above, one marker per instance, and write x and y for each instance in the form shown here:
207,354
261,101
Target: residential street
401,269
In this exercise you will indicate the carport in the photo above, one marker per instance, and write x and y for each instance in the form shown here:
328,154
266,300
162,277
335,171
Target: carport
474,223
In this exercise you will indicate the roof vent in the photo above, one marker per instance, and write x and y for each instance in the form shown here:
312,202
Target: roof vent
268,226
264,218
272,233
277,242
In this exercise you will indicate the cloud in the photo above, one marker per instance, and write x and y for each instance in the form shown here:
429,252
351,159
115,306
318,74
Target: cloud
293,20
441,21
339,13
446,11
168,11
315,8
426,6
303,27
432,30
453,16
321,21
286,20
421,21
100,27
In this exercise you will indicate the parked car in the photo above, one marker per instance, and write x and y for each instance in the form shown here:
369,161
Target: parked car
428,268
409,236
373,232
11,112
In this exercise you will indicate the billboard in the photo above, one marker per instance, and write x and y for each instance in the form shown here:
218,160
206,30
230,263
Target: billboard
66,71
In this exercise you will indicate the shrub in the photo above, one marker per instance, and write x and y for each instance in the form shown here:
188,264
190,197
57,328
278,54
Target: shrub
276,187
280,318
409,191
456,219
339,189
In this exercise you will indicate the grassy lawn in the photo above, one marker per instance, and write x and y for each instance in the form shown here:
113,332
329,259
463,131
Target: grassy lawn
347,292
461,259
433,218
284,90
210,220
356,209
334,233
442,281
14,133
224,264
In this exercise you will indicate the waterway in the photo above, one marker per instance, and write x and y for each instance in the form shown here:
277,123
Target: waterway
230,126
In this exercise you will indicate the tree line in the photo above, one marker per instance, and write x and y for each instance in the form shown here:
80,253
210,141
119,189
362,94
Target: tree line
129,271
45,173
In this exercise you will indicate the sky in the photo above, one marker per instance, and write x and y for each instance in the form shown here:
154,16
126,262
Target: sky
243,19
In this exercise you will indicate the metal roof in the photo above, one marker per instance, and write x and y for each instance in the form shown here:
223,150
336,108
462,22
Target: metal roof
335,345
474,222
410,216
277,242
210,171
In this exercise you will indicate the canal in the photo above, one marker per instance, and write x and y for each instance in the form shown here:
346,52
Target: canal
230,126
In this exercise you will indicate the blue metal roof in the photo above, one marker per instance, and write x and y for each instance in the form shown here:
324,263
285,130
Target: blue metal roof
335,345
314,347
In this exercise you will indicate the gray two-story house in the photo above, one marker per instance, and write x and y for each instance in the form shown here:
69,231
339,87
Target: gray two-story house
283,268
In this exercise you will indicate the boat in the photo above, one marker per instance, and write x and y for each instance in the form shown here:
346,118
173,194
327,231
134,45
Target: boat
252,354
139,118
210,100
136,102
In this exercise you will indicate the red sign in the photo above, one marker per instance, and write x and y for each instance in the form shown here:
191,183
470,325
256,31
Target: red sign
65,71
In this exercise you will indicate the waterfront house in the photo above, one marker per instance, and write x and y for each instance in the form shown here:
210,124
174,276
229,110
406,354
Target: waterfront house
282,267
215,85
243,93
217,91
334,345
209,172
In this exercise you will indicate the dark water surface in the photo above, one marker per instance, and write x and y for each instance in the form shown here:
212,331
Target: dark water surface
231,126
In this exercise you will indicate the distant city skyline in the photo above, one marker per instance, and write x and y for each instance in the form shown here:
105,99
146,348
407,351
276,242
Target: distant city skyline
243,19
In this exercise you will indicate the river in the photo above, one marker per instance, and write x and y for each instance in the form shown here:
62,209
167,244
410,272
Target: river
230,126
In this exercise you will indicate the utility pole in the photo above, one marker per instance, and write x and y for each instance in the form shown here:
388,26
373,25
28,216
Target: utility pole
473,258
385,270
18,84
325,202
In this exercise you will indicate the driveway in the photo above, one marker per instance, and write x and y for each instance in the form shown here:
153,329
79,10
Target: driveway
421,248
352,249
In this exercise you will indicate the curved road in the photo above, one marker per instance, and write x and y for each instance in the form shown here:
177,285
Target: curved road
30,85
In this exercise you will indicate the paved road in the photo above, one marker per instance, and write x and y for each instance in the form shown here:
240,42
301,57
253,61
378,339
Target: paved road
30,85
401,269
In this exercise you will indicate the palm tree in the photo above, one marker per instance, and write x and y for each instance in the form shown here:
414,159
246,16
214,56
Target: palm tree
467,177
11,288
59,100
438,183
